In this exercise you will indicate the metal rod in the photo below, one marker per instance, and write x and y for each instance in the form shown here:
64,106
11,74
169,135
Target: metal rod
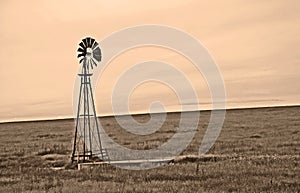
94,110
77,120
89,122
84,107
85,74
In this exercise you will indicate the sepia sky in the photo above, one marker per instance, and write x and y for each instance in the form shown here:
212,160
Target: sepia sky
256,45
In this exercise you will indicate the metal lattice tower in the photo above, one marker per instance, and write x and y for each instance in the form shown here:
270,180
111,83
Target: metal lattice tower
87,142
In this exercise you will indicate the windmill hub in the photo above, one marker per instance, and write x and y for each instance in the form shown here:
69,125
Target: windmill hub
89,51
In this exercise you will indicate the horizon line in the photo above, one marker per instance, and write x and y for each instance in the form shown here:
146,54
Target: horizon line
144,113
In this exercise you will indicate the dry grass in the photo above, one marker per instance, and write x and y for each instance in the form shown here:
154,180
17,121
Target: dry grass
258,150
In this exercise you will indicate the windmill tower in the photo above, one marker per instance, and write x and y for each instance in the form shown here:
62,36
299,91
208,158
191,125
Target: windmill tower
87,142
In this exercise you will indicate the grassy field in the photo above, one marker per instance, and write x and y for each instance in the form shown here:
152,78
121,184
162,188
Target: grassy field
258,150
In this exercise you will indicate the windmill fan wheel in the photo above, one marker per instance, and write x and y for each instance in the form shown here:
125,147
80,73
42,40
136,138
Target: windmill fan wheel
89,53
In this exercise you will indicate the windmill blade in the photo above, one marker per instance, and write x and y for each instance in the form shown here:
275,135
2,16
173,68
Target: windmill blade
91,62
81,50
81,60
82,45
85,42
95,45
88,42
82,54
92,42
94,62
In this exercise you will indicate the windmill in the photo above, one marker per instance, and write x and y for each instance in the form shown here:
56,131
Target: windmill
87,142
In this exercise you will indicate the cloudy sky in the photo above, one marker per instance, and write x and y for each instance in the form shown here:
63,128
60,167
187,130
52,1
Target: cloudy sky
255,44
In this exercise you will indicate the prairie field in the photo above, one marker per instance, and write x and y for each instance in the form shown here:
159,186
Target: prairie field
258,150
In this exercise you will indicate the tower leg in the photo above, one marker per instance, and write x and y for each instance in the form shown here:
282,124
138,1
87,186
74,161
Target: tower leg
88,117
96,120
77,120
84,115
